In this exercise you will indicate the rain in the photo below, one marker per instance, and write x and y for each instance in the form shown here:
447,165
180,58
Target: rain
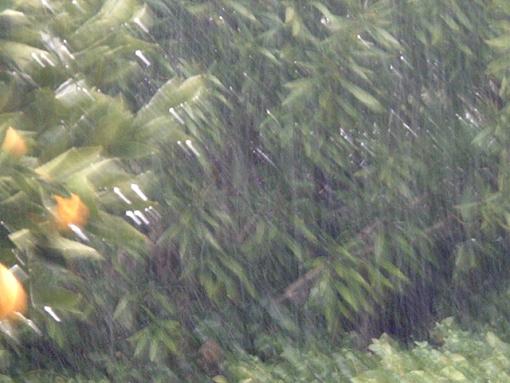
243,191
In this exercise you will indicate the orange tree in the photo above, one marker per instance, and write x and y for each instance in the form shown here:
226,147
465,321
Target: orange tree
79,112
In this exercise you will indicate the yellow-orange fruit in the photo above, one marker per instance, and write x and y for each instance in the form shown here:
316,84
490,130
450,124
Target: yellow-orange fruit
70,211
13,298
14,143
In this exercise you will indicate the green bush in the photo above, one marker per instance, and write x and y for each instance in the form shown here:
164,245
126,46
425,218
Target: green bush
457,356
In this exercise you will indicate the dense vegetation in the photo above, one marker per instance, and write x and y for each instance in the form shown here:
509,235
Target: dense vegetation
252,190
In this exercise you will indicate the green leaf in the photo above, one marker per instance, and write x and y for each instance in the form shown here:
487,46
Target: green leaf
56,298
72,249
170,95
69,162
364,97
119,233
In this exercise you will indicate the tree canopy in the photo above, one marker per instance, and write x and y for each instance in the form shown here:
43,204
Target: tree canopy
253,190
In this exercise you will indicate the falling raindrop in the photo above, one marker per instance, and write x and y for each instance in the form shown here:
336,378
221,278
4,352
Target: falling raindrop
189,144
47,5
121,195
77,5
142,57
35,56
79,232
140,215
52,313
140,24
132,215
139,192
176,116
264,156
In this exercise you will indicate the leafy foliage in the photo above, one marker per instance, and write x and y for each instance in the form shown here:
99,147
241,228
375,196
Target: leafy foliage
462,357
85,139
300,168
343,152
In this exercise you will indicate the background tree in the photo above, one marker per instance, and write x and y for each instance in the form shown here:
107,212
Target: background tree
313,168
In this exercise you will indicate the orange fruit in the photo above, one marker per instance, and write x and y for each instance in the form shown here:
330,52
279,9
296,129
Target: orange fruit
70,211
13,298
14,143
